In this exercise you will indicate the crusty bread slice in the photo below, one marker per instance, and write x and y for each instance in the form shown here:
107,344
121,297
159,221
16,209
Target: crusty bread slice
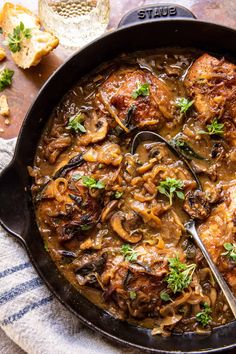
2,54
34,48
4,108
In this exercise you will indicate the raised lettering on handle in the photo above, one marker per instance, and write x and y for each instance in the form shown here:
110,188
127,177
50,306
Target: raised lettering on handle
155,13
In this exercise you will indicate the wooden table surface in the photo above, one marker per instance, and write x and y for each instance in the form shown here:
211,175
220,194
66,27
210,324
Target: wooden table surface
26,83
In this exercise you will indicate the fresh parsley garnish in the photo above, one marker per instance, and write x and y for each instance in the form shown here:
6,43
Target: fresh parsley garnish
92,183
129,253
204,317
132,295
184,104
142,90
75,123
180,275
215,128
5,78
171,186
46,246
1,31
118,195
76,177
15,39
165,296
230,250
85,227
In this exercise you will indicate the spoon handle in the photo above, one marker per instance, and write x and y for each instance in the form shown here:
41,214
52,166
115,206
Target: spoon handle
190,227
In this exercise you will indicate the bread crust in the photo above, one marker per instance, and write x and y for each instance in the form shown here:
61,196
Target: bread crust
4,108
2,54
33,49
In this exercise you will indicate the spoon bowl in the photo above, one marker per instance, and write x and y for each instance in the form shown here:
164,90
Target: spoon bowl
151,136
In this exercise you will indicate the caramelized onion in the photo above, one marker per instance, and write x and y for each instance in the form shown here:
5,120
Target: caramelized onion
108,209
116,224
112,113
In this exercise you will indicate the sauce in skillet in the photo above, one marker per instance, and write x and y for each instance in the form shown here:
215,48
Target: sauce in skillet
114,222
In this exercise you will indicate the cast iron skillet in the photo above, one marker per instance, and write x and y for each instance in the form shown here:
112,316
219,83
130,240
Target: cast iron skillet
144,28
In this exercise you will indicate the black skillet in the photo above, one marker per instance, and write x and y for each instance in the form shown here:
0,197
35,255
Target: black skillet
144,28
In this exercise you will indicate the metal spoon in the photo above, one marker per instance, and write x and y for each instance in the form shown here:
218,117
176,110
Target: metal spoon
190,226
147,136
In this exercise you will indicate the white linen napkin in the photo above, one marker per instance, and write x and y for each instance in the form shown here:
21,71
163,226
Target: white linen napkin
29,314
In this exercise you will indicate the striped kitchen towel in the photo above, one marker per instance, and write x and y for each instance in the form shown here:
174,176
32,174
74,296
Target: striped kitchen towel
29,314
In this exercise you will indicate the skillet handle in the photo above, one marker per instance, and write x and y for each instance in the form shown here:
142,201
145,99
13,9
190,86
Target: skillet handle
13,201
154,13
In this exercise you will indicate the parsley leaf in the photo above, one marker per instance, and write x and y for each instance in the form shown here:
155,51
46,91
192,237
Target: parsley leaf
165,296
230,250
184,104
75,123
142,90
46,246
1,31
92,183
118,195
171,186
214,128
180,275
76,177
5,78
15,39
129,253
86,227
204,317
132,295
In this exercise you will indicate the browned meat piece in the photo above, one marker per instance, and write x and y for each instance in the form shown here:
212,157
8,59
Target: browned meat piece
135,286
116,97
212,84
68,206
220,228
68,216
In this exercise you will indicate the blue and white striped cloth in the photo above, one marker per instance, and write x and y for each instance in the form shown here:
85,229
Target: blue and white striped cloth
29,314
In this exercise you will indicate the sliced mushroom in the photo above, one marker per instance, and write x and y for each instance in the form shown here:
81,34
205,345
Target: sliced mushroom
66,253
68,231
108,209
88,272
55,146
116,222
96,130
93,263
196,205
